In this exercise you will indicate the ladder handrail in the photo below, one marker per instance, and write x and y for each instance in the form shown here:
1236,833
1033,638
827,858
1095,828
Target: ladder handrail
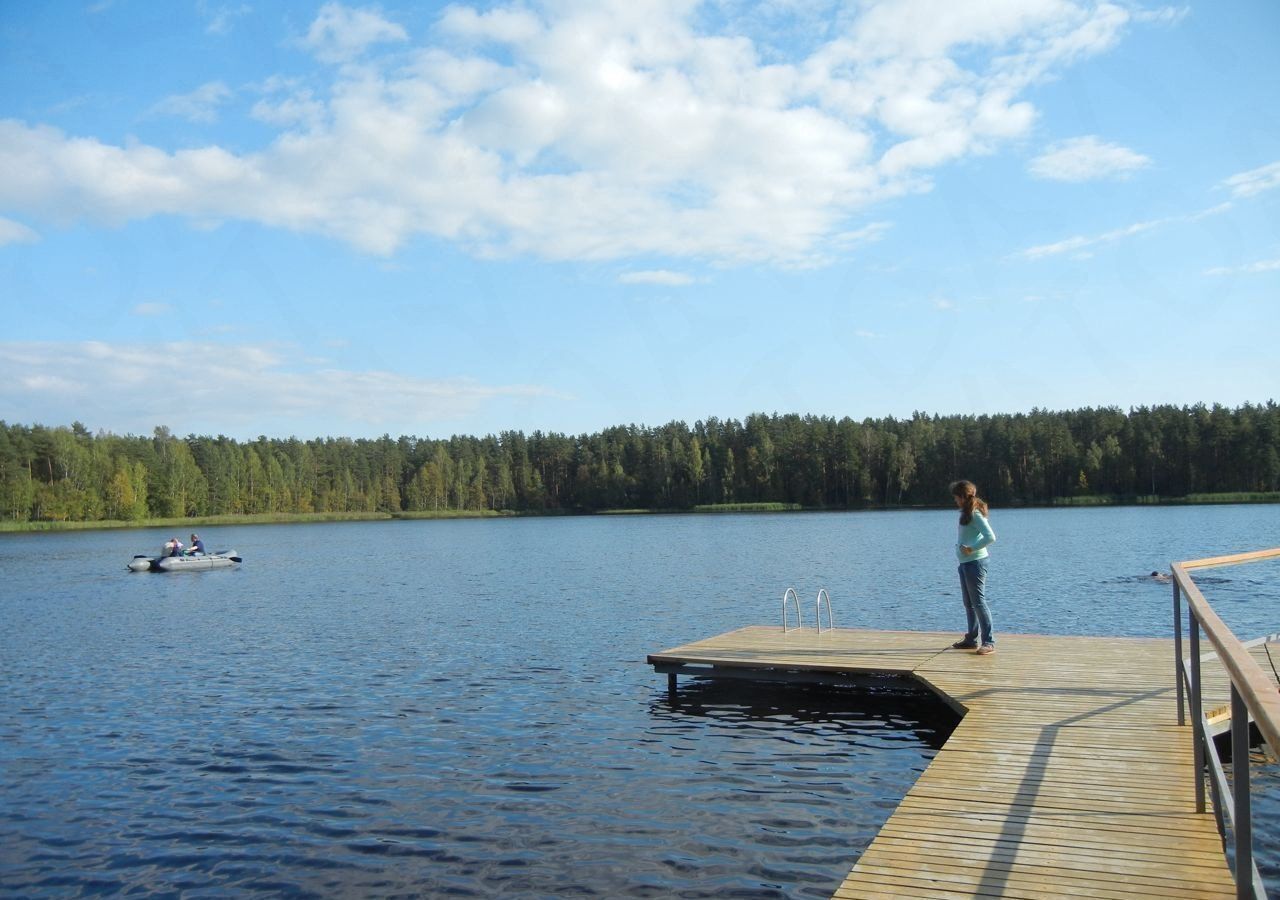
831,624
791,592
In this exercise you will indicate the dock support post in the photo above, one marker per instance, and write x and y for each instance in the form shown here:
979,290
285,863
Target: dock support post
1243,825
671,683
1177,654
1197,711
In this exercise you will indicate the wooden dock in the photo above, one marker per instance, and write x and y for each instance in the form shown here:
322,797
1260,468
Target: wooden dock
1067,776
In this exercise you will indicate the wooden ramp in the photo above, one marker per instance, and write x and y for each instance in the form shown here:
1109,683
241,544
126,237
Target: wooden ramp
1067,777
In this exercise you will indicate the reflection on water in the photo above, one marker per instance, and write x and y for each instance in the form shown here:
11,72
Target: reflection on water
895,705
428,708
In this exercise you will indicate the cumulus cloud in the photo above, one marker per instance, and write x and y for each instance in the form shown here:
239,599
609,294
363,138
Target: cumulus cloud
294,109
594,129
1255,181
12,232
201,105
258,388
1086,159
340,34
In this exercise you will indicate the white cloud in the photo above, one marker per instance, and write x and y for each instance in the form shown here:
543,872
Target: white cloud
1265,265
1086,159
340,33
1081,243
46,383
657,276
1164,15
12,232
220,18
298,109
152,309
593,130
201,105
1255,181
255,388
502,26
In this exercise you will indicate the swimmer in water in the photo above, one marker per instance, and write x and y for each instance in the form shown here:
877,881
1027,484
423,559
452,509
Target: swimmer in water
1156,576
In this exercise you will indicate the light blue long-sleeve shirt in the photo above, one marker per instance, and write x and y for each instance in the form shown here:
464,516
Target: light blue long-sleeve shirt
978,534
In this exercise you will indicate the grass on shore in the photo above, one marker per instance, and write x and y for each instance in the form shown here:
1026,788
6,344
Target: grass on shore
251,519
195,521
454,514
1239,497
1157,500
292,518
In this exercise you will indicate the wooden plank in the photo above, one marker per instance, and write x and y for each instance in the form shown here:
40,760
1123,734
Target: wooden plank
1137,843
1050,855
982,753
1232,559
1049,881
1083,875
1182,822
899,886
1050,769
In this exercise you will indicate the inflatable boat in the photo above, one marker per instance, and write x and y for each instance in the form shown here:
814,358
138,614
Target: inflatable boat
192,563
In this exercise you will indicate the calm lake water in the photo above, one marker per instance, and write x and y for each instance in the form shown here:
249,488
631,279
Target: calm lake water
463,707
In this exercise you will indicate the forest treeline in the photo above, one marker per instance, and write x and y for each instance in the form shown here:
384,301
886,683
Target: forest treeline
69,474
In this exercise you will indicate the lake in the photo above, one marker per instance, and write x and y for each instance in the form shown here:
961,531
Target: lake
462,707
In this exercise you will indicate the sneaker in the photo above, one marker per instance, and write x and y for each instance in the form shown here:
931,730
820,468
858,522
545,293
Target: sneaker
986,648
963,645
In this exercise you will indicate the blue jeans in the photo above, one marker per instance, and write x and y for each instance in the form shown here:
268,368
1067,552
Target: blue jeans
973,585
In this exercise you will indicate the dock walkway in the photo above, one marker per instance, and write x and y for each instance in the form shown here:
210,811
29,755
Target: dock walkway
1067,776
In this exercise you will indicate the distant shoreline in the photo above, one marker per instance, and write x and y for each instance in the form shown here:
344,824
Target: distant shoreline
10,527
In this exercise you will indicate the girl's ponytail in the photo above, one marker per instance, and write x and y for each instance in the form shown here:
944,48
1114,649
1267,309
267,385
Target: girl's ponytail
967,491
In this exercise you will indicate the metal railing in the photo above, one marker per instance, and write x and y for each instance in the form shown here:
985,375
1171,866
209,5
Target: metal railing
817,612
790,594
1252,695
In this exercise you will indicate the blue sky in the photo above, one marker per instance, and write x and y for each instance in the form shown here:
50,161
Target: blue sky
430,219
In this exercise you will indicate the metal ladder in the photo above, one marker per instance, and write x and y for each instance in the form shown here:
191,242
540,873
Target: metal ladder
791,595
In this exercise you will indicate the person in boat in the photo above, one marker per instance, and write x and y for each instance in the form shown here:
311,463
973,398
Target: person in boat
173,547
197,545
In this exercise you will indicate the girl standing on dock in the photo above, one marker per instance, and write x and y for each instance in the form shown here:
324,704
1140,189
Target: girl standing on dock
971,550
